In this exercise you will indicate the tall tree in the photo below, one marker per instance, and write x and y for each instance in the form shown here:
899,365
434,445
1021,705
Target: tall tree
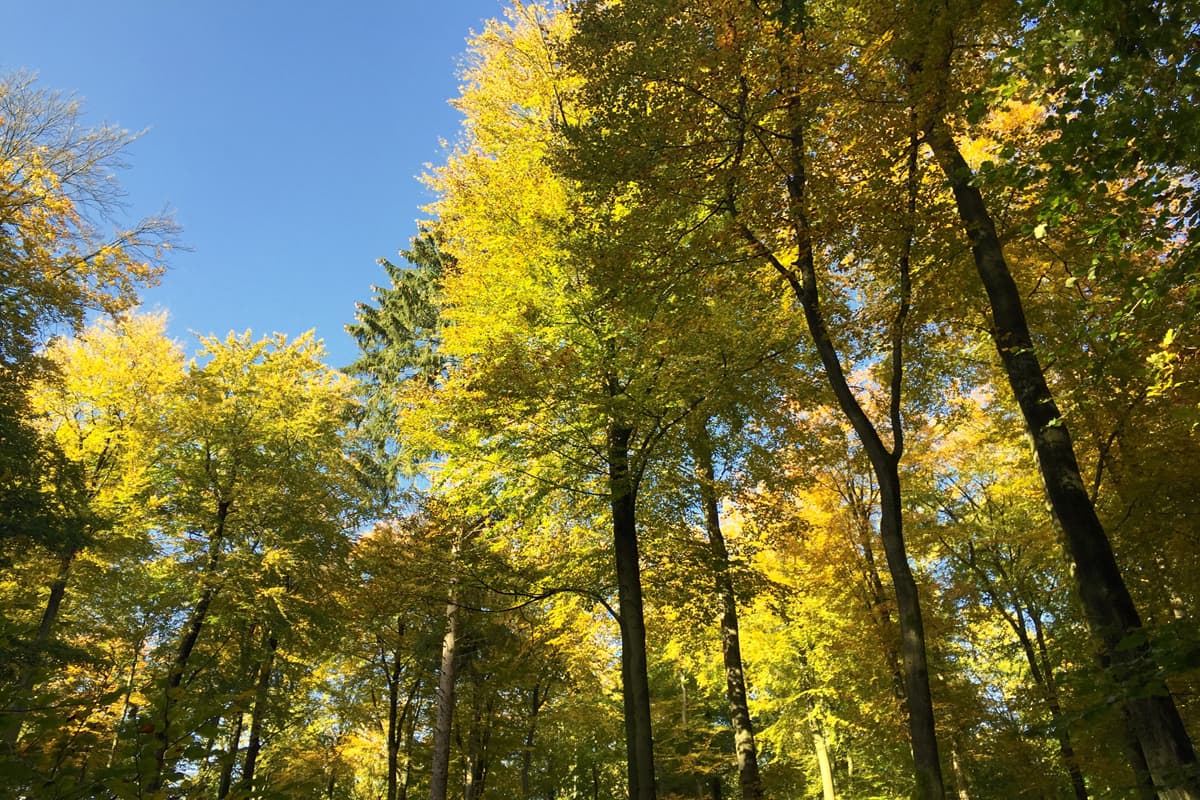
731,648
56,263
261,498
761,116
96,411
1111,614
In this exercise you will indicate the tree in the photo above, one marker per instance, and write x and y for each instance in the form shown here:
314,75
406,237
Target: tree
753,145
569,377
731,649
97,410
259,498
57,263
399,336
1111,614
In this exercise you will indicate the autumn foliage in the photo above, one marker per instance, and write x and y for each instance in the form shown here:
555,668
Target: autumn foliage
781,400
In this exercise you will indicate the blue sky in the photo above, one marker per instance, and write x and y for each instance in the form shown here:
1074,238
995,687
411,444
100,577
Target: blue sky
286,136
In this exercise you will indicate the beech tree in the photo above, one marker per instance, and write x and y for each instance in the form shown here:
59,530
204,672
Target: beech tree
57,264
262,499
728,141
1111,613
686,456
98,411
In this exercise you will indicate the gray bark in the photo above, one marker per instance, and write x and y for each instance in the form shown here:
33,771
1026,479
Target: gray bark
439,777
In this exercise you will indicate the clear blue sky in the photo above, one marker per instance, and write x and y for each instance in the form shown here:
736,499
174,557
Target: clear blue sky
286,136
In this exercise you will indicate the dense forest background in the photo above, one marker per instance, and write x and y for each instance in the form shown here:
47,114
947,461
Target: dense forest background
783,399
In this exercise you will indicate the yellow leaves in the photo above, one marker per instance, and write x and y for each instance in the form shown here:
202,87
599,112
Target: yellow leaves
55,188
1163,364
1014,126
101,404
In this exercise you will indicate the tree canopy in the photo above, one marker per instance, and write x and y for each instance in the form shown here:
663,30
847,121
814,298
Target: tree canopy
790,399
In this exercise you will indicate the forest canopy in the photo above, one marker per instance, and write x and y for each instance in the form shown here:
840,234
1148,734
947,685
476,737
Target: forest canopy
783,399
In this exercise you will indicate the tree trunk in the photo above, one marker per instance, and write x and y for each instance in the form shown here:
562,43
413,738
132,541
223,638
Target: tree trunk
537,698
238,711
27,677
1112,618
876,596
439,778
230,758
128,708
960,779
396,717
635,682
1065,749
821,746
1040,667
731,649
393,725
802,278
1143,782
191,634
262,692
413,708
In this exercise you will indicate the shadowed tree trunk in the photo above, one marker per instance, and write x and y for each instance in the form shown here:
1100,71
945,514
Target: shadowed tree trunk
187,643
262,691
410,738
1041,669
635,682
397,714
731,649
537,698
1111,616
27,677
801,276
230,757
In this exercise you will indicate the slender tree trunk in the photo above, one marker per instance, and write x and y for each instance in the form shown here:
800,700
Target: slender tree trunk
410,737
537,698
1065,749
635,682
876,595
821,746
262,692
393,725
27,677
731,649
396,717
960,779
1040,667
229,759
802,277
439,778
127,705
191,634
1112,618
